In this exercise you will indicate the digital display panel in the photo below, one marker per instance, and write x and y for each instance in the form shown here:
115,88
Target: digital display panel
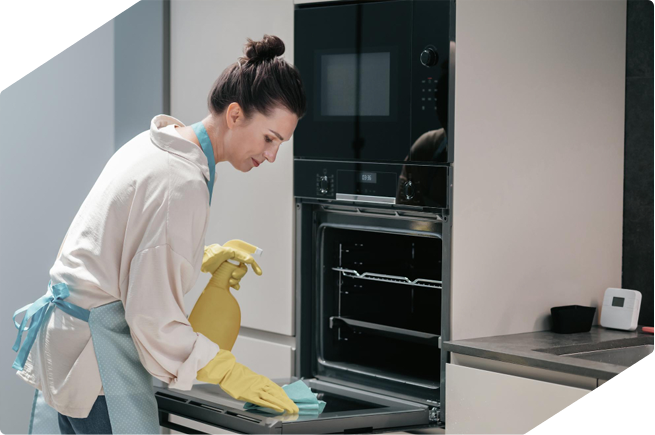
368,177
617,302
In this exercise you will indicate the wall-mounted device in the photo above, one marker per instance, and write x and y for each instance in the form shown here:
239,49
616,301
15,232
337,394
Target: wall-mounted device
620,309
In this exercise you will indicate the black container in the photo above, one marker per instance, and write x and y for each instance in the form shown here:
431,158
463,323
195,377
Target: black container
572,318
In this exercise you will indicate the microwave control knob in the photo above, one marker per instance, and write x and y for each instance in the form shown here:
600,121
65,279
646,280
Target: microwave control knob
409,190
324,185
429,57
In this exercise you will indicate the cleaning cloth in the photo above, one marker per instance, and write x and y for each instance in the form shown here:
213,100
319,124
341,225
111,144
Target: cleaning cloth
302,396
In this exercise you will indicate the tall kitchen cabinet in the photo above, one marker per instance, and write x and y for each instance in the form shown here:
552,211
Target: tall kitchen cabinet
538,167
537,188
258,206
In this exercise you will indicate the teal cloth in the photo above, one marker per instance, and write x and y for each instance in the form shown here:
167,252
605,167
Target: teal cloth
302,396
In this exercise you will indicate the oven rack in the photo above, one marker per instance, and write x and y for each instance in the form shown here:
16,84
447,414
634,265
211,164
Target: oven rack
419,282
409,335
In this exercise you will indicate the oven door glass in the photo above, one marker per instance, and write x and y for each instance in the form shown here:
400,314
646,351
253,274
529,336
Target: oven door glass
356,68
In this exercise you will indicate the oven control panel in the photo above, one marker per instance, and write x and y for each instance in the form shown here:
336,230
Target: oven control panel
372,183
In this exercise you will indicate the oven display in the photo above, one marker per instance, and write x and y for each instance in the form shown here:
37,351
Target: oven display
373,183
368,177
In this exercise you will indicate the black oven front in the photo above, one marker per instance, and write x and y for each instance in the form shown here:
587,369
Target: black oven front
376,79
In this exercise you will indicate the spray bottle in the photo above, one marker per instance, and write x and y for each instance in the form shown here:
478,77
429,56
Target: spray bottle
216,313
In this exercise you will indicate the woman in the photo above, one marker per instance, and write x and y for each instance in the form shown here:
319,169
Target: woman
113,315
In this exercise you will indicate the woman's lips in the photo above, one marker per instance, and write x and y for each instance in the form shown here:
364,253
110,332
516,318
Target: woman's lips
255,162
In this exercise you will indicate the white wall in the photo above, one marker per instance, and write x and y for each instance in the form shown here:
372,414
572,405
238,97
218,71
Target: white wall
57,134
538,172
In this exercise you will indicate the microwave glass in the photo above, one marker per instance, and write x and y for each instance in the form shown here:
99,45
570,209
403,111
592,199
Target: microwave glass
355,84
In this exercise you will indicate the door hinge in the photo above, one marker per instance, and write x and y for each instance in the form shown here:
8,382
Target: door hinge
435,414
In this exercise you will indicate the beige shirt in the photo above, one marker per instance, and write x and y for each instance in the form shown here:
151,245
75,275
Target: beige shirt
139,238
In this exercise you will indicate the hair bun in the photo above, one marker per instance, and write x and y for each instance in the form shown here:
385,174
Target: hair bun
266,49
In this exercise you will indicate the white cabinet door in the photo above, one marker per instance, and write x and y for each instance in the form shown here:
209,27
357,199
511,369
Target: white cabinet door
258,206
621,415
480,401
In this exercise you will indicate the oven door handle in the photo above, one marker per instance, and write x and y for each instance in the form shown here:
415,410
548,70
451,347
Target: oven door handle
189,416
366,198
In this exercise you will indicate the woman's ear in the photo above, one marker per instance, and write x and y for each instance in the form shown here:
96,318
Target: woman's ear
233,115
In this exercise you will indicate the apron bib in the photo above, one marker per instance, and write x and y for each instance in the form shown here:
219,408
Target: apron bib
127,384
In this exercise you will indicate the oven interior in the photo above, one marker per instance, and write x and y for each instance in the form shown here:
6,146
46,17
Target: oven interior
379,309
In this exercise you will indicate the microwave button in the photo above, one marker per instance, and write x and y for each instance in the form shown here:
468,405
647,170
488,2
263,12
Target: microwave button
429,57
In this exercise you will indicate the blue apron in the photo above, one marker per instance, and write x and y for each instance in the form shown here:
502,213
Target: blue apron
127,385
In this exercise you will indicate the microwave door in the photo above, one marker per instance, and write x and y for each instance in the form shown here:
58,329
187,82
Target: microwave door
347,410
356,67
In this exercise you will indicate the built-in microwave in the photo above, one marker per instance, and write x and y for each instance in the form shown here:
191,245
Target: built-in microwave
376,79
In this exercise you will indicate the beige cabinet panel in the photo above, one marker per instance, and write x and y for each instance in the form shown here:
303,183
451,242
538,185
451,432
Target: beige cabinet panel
480,401
621,415
258,206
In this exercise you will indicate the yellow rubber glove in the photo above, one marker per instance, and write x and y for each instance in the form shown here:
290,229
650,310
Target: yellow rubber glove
242,383
215,255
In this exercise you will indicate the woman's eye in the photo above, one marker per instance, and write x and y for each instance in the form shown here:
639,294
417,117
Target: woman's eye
268,139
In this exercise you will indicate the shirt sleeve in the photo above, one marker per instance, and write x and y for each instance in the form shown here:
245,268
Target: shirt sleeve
168,347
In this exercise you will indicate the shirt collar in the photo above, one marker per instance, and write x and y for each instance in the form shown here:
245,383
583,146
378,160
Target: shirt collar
176,145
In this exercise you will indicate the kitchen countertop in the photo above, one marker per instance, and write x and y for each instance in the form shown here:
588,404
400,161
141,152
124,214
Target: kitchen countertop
546,349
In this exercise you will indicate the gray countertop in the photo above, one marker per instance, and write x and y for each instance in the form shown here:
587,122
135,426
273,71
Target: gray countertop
546,349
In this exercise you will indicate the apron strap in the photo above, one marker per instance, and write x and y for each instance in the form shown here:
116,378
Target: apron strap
206,144
39,312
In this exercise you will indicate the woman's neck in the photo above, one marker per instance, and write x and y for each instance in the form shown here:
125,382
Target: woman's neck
214,133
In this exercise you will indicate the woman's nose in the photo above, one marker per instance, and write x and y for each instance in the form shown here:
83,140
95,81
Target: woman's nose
271,153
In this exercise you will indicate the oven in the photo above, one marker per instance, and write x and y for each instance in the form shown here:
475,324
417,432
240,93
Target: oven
373,299
376,78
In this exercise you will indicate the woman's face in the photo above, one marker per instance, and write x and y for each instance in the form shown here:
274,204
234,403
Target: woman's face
251,142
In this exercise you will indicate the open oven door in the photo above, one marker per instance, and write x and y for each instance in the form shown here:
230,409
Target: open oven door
207,409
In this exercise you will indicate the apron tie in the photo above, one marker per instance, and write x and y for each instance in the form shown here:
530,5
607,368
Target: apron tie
39,312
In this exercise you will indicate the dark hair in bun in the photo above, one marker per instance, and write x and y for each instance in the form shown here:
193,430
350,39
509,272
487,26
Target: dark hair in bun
259,81
266,49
